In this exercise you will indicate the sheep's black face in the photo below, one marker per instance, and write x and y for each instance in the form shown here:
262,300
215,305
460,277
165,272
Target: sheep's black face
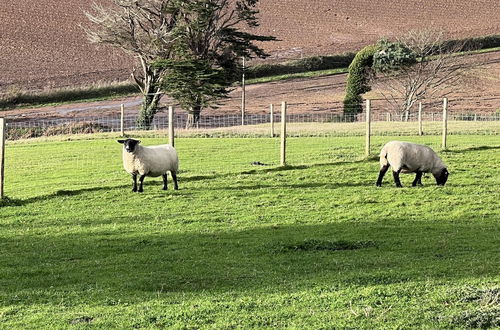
129,144
442,177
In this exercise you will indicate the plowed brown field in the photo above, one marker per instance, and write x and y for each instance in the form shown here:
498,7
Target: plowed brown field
42,46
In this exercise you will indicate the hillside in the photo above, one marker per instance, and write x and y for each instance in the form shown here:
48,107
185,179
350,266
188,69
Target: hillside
42,46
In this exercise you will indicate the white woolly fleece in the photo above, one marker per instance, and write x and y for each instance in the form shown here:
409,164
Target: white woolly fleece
151,161
410,157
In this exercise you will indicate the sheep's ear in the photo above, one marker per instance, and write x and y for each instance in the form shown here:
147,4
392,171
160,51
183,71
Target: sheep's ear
121,141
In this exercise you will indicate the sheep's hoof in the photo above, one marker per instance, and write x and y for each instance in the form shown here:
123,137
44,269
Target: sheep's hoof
378,184
164,188
140,190
134,189
399,186
176,188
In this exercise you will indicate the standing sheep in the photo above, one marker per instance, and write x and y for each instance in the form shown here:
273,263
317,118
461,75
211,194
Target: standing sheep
406,157
149,161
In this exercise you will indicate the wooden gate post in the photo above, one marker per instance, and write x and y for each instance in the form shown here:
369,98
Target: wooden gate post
243,94
272,119
420,131
171,125
122,120
368,127
445,122
283,133
3,133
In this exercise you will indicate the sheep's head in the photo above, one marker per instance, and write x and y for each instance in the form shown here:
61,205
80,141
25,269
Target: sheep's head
442,177
129,144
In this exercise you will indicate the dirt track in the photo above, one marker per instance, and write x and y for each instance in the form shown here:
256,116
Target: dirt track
41,45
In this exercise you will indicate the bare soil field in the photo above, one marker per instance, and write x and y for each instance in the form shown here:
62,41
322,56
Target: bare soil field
481,95
42,45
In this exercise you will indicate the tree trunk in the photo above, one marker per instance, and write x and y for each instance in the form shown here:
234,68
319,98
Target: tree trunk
407,114
148,84
149,108
193,119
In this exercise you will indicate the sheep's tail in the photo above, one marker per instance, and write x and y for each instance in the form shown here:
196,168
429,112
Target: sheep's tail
383,157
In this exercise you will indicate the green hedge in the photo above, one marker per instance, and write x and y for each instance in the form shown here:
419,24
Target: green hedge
357,79
492,41
315,63
19,97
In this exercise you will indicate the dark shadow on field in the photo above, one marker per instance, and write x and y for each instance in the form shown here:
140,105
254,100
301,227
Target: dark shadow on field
266,169
305,185
480,148
139,265
11,202
56,194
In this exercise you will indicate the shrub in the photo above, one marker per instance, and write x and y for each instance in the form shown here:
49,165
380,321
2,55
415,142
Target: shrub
314,63
76,128
62,129
357,79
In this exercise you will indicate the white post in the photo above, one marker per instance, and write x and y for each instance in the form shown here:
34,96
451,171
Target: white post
388,116
243,96
283,133
171,125
445,121
368,127
122,121
272,120
3,133
420,131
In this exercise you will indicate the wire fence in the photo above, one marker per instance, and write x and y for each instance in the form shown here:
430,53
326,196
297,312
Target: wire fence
300,124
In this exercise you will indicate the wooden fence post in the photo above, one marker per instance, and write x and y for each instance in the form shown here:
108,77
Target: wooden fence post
368,127
272,120
122,121
243,95
283,133
3,133
171,125
445,122
388,116
420,131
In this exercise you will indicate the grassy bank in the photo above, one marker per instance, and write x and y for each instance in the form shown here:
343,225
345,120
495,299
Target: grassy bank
312,245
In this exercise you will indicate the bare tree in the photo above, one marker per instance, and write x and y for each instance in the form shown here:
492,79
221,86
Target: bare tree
437,69
142,28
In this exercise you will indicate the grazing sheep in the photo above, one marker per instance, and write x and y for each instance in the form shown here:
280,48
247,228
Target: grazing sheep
149,161
406,157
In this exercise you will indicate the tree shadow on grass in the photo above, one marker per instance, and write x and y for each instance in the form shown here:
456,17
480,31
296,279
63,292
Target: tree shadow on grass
144,263
265,169
6,202
480,148
13,202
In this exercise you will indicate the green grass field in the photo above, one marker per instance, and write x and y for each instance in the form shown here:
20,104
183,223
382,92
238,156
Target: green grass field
312,245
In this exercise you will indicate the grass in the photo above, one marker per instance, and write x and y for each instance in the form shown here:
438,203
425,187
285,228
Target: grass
312,245
19,98
310,74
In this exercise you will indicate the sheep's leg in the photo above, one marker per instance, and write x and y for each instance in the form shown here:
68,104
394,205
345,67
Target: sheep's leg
418,179
134,182
395,174
165,184
381,175
141,180
174,176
